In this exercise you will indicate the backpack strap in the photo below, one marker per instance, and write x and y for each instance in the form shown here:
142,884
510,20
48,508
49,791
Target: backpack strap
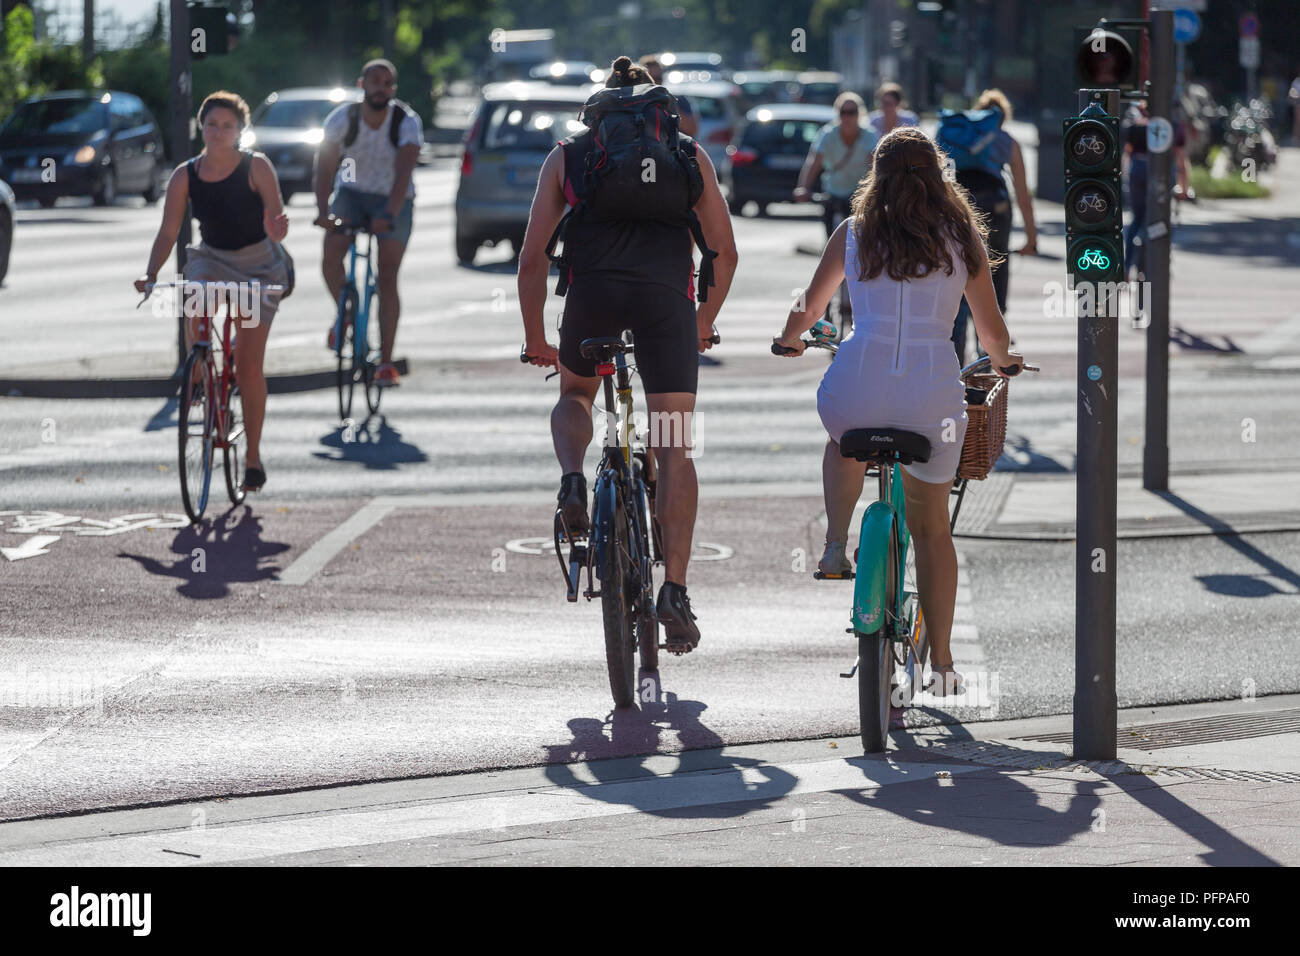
707,256
562,261
400,112
354,120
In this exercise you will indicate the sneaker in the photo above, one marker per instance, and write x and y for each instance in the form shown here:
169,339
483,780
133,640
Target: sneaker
572,501
674,612
386,376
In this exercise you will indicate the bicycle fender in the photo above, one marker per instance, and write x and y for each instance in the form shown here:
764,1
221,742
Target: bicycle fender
873,556
604,522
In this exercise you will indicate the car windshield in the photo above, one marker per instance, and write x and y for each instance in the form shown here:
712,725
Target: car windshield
530,125
782,136
295,114
707,107
58,116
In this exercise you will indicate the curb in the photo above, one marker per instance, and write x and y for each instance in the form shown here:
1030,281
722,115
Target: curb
158,387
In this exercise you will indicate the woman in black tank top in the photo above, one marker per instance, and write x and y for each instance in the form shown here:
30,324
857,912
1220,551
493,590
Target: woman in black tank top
236,198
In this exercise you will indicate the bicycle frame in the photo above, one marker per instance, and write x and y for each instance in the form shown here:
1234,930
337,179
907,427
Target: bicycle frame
224,382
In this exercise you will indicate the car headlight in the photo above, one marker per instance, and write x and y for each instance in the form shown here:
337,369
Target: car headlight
82,156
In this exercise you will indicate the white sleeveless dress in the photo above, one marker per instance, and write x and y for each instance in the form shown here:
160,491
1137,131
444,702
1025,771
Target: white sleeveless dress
898,368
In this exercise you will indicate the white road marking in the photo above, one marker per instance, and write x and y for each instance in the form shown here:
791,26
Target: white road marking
324,550
30,548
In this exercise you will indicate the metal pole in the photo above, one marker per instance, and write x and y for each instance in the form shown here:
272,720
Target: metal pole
180,127
1155,251
1095,491
87,31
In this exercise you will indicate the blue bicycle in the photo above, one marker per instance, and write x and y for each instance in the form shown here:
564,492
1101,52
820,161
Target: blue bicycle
356,337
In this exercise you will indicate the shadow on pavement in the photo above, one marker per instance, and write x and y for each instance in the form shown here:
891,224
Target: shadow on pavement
636,734
372,442
1267,241
1238,585
217,553
165,417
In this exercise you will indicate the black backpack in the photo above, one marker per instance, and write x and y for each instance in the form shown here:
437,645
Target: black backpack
400,112
638,167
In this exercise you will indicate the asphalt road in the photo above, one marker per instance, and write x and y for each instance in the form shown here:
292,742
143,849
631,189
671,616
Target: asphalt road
143,661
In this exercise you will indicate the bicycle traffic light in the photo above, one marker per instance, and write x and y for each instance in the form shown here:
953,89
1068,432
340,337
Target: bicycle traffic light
1094,211
1106,57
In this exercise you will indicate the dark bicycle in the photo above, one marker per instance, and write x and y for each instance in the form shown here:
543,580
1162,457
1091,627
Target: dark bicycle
356,331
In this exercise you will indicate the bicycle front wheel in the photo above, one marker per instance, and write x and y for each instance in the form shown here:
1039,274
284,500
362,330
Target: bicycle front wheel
235,449
616,609
194,434
647,625
344,348
367,360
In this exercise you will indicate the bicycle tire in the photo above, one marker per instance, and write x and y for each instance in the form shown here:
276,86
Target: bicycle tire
620,643
647,624
194,435
876,665
370,360
918,646
234,454
343,325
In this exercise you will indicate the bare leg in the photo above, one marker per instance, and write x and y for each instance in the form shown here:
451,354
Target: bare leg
677,491
336,247
390,306
936,561
571,419
842,480
250,349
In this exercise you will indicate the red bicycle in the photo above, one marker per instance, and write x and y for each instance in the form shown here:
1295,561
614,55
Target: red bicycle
211,412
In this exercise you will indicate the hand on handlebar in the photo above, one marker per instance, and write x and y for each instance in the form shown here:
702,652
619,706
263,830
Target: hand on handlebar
712,338
788,348
544,355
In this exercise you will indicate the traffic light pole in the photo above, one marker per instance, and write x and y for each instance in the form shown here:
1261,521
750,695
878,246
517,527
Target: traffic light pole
180,127
1155,251
1095,700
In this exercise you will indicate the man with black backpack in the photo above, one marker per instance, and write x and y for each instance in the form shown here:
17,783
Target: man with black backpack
622,199
367,157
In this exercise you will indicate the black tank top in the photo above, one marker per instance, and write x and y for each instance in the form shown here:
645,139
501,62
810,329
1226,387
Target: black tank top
629,250
230,211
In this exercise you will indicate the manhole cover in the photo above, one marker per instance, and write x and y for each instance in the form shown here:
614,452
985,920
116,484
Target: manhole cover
1200,730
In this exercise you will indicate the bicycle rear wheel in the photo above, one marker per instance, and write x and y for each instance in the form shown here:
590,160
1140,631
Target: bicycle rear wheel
235,451
194,434
647,624
344,348
876,665
616,609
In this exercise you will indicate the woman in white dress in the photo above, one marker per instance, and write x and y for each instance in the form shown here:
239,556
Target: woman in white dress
911,249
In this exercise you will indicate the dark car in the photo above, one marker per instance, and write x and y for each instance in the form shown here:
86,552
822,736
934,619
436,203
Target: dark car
765,163
79,143
289,127
517,124
6,227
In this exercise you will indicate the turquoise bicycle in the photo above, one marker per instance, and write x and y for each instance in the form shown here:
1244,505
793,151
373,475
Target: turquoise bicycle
886,618
356,337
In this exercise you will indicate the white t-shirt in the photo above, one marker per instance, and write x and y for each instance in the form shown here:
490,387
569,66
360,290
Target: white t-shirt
372,152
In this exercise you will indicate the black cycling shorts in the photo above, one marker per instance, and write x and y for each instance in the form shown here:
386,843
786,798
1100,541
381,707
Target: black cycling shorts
664,331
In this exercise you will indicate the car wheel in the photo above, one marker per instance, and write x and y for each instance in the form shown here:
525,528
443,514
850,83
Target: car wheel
156,188
47,202
466,247
6,242
106,194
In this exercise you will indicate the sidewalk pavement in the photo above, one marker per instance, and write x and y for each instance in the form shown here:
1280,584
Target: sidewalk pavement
1212,784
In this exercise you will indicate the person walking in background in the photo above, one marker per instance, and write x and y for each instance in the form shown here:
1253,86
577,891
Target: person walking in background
687,121
842,154
980,150
891,115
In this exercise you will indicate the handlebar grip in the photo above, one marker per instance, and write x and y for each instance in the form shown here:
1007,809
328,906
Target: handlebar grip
524,356
779,349
715,338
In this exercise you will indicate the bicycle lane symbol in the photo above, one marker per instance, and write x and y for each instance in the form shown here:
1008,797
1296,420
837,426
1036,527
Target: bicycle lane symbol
38,524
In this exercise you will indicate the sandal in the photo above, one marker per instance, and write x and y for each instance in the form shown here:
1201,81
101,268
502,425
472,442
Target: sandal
945,682
254,478
835,563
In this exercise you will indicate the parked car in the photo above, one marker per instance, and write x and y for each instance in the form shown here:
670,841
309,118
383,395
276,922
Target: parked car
766,160
717,105
289,127
820,86
691,67
767,86
6,227
567,72
516,126
83,143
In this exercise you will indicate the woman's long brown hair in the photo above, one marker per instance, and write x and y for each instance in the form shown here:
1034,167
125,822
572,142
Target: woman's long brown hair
906,214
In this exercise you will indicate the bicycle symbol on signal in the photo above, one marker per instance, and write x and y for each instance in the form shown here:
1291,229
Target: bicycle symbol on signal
1093,258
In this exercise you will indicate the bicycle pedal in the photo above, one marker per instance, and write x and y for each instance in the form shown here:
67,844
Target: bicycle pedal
678,649
823,576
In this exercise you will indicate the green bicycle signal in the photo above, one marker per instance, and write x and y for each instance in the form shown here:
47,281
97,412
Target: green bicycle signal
1093,258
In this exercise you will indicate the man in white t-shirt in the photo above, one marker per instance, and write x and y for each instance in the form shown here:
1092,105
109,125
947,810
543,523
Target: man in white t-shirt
366,162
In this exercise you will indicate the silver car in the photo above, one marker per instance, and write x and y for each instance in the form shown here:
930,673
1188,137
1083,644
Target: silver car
717,105
516,126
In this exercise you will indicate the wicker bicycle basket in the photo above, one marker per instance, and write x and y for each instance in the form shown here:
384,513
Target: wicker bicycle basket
986,428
